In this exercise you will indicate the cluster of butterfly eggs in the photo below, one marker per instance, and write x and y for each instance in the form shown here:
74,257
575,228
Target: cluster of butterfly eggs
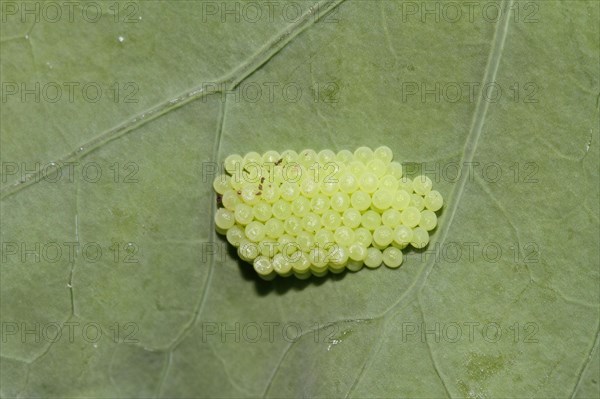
312,213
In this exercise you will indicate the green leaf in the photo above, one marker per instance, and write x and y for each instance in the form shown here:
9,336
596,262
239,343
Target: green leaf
113,246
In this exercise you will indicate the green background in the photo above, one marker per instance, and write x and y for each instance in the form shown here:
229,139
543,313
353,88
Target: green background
450,322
